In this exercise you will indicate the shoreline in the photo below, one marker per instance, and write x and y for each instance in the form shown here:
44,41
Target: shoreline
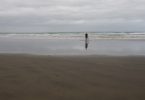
72,47
68,55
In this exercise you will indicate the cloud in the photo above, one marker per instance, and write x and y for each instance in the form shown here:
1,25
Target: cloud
72,15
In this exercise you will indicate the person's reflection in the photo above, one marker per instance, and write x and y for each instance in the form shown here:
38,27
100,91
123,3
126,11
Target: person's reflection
86,41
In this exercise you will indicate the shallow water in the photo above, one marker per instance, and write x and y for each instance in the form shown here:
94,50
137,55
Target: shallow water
47,46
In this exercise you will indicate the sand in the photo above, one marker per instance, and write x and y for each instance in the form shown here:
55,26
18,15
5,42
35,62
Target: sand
30,77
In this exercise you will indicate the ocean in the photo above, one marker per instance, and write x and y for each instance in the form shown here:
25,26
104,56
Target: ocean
75,35
73,43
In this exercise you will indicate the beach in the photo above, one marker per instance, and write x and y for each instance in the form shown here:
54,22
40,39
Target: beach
72,49
37,77
58,66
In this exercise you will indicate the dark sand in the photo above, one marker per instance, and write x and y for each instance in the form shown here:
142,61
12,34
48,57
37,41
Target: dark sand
25,77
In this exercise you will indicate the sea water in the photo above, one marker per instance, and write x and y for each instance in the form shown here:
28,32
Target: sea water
73,43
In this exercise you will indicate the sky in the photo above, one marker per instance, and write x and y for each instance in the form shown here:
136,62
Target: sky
72,15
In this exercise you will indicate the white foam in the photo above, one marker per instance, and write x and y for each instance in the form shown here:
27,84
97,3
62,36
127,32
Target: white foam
74,35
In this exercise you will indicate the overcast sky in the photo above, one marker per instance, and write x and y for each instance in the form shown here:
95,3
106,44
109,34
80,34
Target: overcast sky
72,15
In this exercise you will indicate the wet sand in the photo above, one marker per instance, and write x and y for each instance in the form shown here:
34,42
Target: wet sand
30,77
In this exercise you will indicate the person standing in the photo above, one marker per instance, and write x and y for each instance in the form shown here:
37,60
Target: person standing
86,41
86,36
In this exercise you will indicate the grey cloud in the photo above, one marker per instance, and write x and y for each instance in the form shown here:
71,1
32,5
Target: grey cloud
72,15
